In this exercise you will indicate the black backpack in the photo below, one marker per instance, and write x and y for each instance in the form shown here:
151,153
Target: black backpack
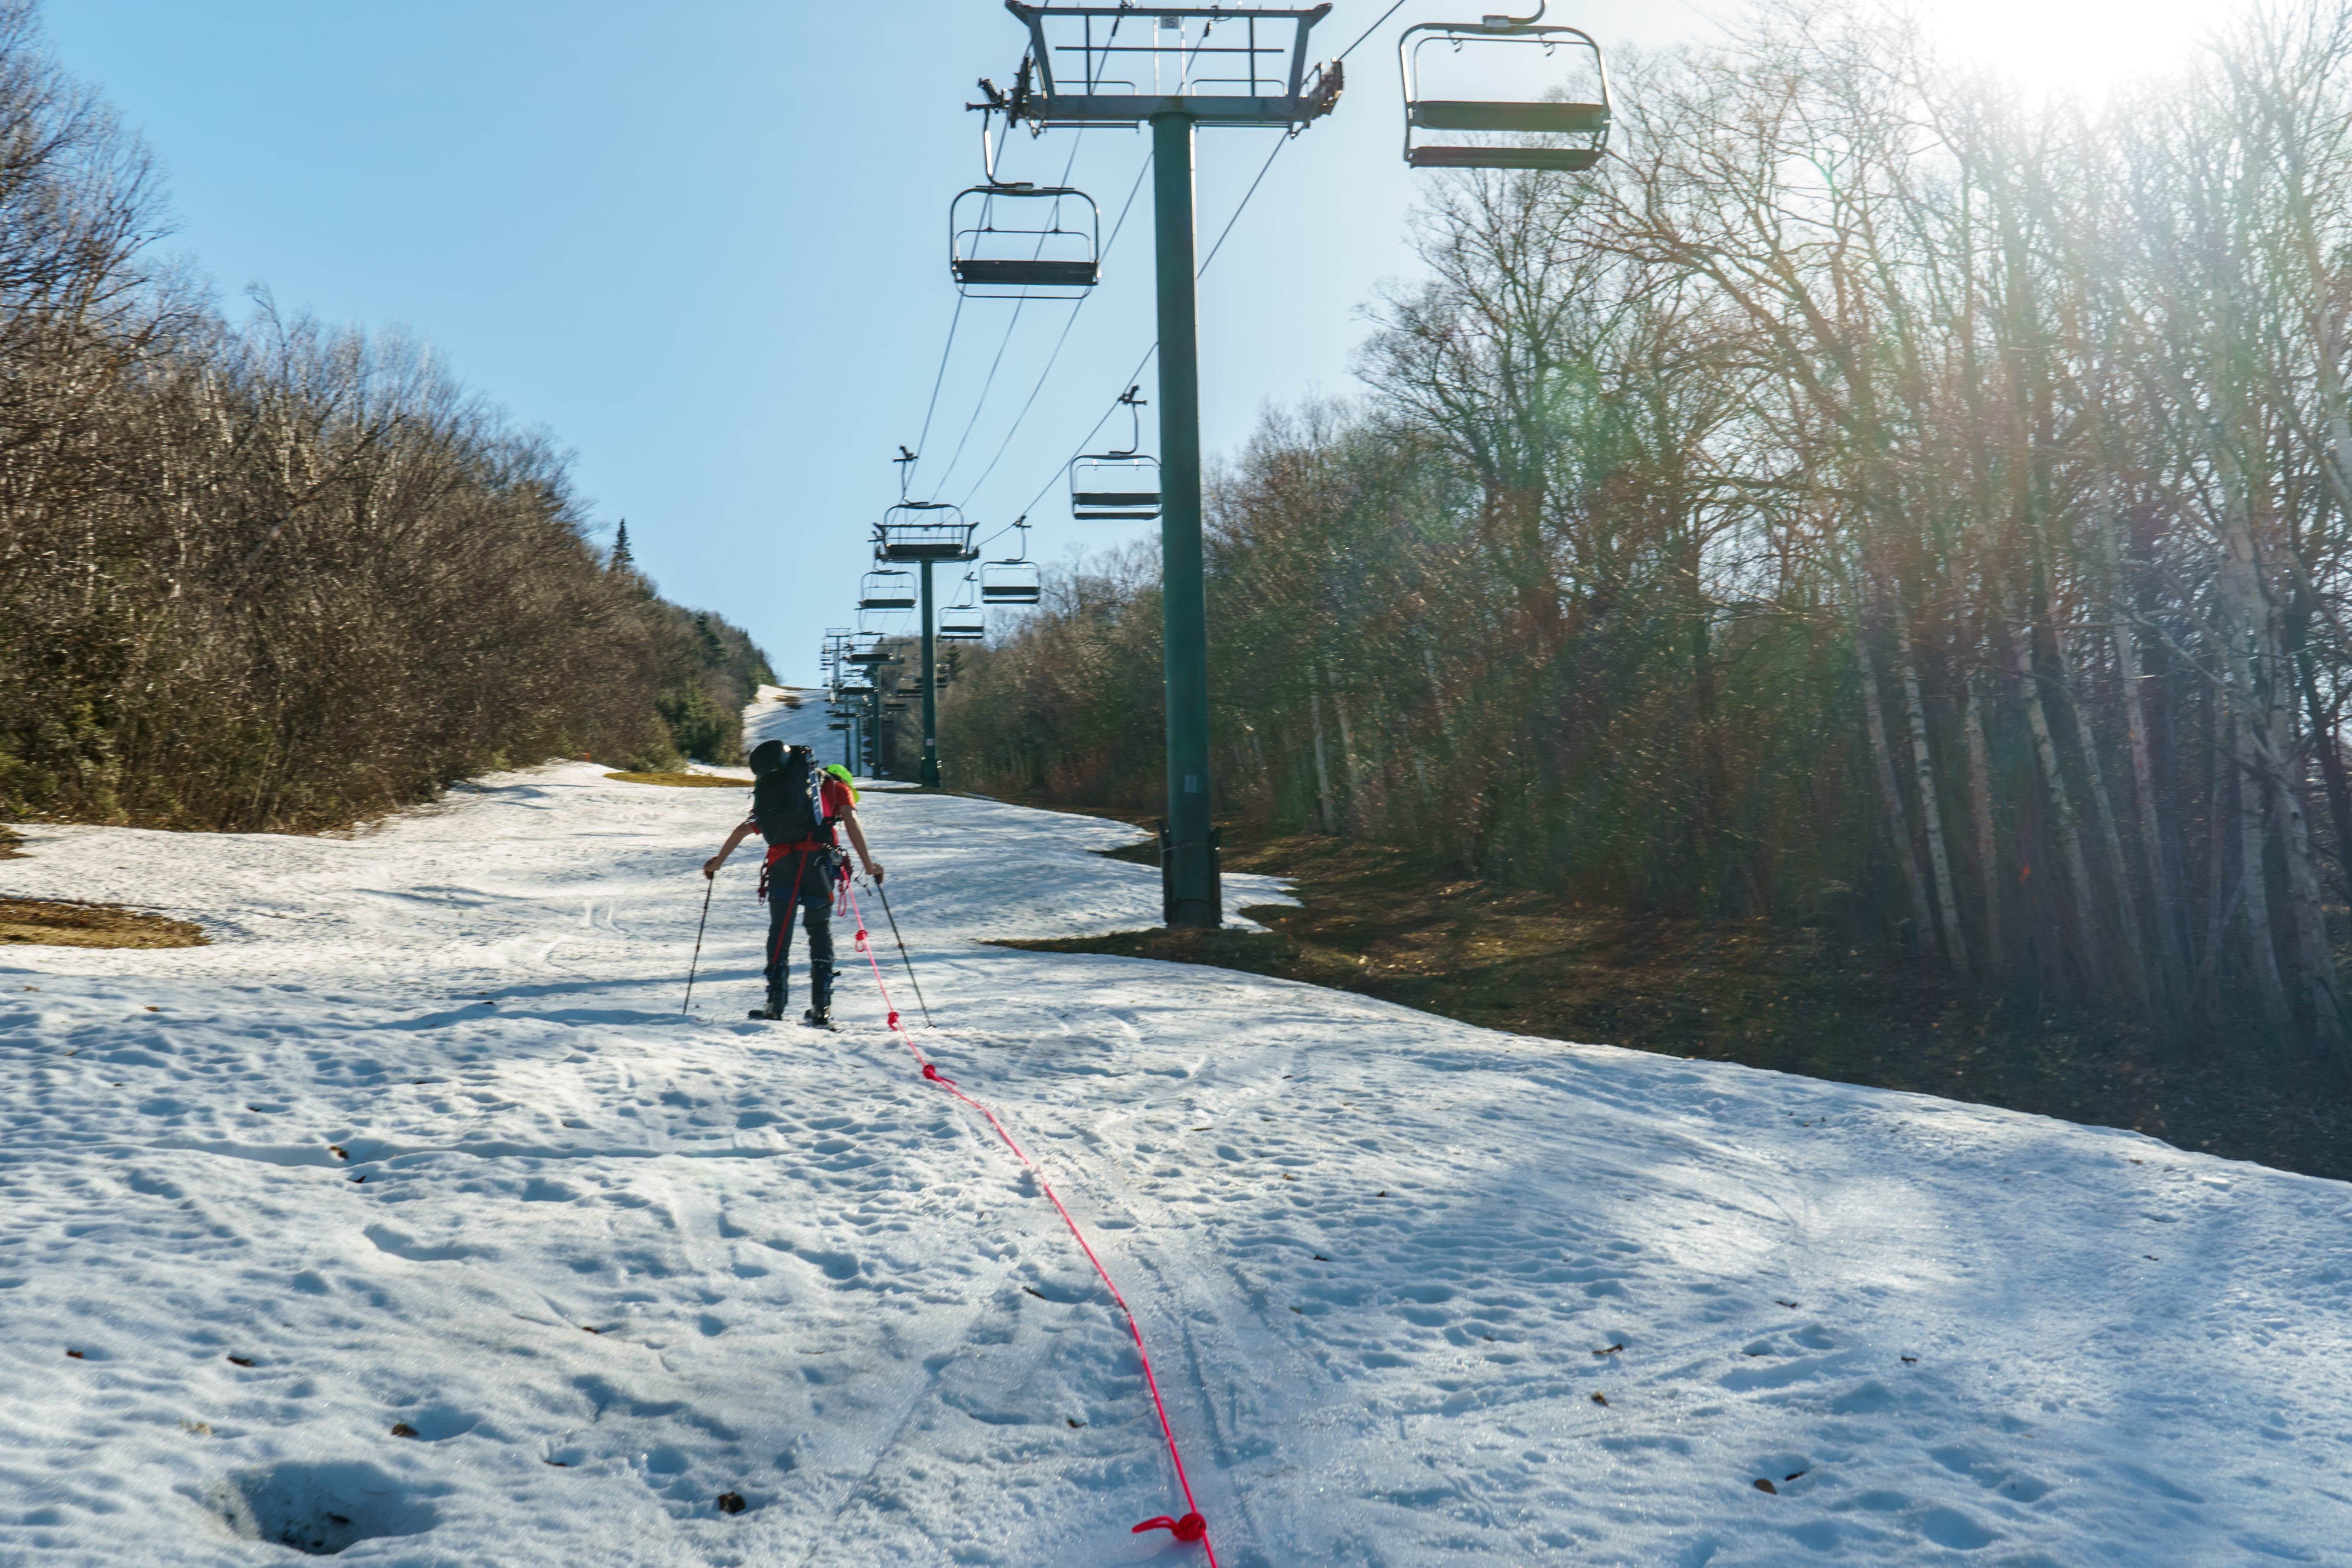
786,805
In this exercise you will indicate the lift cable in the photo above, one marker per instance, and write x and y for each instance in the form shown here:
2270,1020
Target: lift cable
1373,28
1131,379
1140,365
1191,56
946,349
1072,320
980,402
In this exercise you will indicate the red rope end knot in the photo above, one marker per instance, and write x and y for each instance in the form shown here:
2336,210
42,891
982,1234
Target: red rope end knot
1192,1527
894,1018
933,1073
861,936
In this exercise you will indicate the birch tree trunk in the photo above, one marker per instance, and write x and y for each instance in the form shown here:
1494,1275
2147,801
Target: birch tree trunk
1981,812
1322,766
2305,906
2095,784
2064,823
2161,883
2253,876
1923,763
1890,795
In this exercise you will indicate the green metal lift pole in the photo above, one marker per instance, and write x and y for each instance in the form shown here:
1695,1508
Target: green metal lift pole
1192,895
930,689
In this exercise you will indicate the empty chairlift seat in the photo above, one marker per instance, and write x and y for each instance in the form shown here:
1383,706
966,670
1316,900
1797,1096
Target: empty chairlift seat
1020,241
923,531
1114,487
887,589
963,623
1014,579
1536,95
1011,582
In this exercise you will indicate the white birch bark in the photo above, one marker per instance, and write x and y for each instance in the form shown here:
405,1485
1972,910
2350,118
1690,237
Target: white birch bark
1890,795
2253,876
1931,816
2064,826
1322,766
2161,883
2094,782
1980,813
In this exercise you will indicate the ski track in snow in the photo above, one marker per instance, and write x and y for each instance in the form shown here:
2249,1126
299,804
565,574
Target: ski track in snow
816,1281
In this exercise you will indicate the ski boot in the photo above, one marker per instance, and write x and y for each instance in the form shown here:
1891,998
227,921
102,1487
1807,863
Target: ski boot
819,1018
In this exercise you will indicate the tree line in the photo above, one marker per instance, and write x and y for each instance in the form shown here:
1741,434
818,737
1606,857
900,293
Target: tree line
1874,494
273,574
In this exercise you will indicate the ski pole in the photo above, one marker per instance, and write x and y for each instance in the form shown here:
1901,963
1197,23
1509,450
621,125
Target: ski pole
708,884
902,953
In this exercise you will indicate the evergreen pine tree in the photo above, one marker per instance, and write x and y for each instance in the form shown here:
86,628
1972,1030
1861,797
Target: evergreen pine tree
621,557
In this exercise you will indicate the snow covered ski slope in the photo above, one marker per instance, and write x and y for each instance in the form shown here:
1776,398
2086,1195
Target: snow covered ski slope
411,1215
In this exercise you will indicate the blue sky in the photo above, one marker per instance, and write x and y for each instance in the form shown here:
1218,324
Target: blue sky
703,243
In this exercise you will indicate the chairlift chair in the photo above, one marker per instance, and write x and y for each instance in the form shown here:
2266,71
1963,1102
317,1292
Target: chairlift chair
1523,73
963,621
1014,241
1013,580
1118,485
1009,583
923,531
1114,487
837,724
886,588
893,705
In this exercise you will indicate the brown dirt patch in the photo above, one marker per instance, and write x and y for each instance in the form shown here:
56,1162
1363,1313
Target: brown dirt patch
1816,1000
681,780
40,922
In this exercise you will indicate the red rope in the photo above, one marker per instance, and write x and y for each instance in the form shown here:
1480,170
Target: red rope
1192,1527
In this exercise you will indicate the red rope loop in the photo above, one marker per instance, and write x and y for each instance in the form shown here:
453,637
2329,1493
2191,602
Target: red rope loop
1192,1527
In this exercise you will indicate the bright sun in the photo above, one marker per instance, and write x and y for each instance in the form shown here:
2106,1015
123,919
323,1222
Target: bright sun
2081,46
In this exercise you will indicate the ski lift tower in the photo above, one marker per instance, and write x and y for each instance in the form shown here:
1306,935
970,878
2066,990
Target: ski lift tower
927,532
1175,68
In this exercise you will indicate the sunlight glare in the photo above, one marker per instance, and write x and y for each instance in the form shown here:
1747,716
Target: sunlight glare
2086,47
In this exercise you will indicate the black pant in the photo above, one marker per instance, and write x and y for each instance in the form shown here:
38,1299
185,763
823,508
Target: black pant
814,895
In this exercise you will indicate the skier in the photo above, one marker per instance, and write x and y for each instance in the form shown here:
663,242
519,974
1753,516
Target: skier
797,807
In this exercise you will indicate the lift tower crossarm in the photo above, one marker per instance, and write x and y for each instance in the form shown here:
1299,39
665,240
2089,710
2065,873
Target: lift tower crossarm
1295,97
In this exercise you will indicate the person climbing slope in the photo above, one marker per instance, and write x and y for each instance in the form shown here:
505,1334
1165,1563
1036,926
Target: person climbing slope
798,807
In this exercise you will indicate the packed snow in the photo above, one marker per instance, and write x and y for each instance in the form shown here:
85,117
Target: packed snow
412,1217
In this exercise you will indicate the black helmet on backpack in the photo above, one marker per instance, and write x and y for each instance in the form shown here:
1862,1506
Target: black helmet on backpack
766,757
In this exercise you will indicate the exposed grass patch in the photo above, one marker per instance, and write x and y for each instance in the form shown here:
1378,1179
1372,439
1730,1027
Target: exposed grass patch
12,843
682,781
36,921
1800,999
